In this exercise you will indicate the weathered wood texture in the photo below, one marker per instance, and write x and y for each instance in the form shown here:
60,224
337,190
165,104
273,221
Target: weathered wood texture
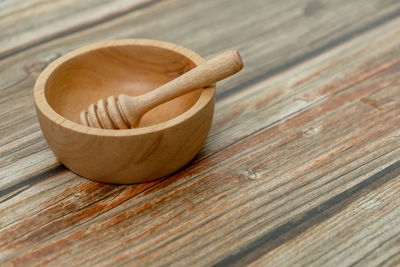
301,165
24,24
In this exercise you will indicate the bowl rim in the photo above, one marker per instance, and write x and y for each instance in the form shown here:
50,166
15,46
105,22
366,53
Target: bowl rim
207,94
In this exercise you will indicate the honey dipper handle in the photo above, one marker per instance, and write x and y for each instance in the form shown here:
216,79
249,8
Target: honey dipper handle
212,71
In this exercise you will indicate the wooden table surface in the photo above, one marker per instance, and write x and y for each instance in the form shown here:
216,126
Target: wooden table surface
301,166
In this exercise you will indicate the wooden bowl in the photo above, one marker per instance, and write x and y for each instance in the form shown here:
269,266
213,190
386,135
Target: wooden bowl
168,136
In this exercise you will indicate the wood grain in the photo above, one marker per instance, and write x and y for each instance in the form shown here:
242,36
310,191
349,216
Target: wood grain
348,238
18,73
25,24
301,165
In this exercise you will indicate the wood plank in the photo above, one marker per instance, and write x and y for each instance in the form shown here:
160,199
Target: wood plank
24,24
307,29
351,237
294,37
328,143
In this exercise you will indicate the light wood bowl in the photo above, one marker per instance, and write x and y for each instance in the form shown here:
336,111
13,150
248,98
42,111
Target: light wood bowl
168,136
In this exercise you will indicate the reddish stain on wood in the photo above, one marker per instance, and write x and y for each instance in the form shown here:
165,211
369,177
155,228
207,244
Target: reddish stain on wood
371,102
265,100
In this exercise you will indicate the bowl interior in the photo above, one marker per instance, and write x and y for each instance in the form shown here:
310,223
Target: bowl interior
129,69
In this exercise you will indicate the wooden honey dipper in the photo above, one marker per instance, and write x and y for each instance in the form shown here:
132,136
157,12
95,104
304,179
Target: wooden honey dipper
124,112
